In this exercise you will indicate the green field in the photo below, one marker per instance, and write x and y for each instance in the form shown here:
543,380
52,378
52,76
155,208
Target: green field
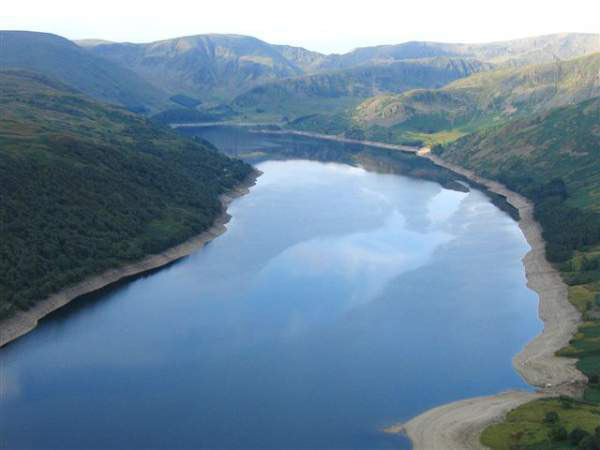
552,424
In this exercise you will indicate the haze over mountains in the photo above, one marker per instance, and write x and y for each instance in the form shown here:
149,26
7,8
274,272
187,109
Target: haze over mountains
519,52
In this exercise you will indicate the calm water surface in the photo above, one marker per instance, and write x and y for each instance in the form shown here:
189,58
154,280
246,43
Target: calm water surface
338,302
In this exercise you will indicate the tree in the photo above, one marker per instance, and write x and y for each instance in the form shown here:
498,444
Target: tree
577,435
551,417
558,433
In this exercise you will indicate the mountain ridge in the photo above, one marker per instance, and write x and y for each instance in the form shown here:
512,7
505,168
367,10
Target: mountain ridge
60,58
300,95
535,49
216,68
211,67
485,98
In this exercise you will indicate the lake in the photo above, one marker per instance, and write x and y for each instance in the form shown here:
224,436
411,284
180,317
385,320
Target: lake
338,302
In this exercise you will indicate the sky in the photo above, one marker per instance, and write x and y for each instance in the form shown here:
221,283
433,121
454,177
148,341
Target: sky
328,26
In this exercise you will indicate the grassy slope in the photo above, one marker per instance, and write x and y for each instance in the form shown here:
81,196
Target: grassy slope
86,187
553,158
274,83
527,427
60,58
212,68
429,116
560,143
482,99
335,91
218,68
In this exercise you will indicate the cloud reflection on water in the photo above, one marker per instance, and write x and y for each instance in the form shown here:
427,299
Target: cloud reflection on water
332,274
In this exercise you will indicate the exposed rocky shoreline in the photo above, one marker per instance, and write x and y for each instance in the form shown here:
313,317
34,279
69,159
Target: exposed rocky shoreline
458,425
454,426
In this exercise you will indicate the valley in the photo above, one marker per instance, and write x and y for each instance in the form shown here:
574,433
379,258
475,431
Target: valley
119,158
253,318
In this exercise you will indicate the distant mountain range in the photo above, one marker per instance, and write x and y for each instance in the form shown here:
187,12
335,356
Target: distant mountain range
518,52
208,67
218,68
255,79
89,183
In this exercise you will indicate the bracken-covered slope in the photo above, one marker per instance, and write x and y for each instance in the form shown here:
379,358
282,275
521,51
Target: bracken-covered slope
97,77
486,98
553,158
563,143
87,187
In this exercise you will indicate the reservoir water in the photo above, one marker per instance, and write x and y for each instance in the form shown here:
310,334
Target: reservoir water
339,301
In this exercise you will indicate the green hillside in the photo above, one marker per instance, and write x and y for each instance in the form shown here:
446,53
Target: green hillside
339,90
553,158
482,99
217,68
212,67
87,187
561,143
61,59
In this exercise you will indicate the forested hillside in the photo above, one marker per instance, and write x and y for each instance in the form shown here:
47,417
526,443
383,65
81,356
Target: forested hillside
87,187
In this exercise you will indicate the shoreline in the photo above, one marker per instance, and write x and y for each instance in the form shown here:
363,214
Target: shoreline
452,426
537,362
331,137
25,321
222,123
458,425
